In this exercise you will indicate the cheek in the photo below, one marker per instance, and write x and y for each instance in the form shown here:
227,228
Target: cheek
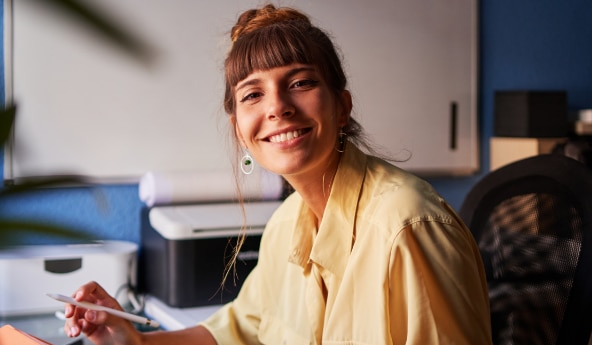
245,127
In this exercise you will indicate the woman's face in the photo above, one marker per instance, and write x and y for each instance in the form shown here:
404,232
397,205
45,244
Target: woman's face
289,119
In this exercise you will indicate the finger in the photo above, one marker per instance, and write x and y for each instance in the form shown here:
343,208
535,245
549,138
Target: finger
86,291
72,328
73,319
75,315
88,327
95,293
95,317
94,321
68,310
71,310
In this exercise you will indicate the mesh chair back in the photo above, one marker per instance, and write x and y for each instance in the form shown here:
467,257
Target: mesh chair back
532,220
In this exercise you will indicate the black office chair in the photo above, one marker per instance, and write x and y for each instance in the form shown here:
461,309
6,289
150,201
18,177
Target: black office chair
532,220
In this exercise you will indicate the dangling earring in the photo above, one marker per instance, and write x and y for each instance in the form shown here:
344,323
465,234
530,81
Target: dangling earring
246,163
341,138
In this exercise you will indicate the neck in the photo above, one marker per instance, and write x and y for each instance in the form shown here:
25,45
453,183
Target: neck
315,187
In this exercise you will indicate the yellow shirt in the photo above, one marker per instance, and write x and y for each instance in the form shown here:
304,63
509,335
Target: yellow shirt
391,263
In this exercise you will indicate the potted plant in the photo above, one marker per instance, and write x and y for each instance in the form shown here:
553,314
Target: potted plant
11,229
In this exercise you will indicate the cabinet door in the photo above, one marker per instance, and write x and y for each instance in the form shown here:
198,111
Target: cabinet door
86,108
413,68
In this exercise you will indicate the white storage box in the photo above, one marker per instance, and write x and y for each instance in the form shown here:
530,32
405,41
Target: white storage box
27,273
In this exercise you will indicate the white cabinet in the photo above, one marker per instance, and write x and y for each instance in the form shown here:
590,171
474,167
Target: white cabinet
413,67
86,108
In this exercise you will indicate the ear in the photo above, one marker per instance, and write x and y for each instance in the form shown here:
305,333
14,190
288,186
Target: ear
345,107
238,135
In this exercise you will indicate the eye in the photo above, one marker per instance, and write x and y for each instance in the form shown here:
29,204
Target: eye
304,83
250,96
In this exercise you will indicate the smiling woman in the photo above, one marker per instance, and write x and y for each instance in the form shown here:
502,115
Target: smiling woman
361,252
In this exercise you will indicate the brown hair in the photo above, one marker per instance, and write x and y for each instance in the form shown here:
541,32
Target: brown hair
272,37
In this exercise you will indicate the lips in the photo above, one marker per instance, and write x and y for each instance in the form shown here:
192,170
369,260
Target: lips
280,138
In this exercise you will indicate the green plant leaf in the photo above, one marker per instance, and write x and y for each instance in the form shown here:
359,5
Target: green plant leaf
34,184
94,18
108,28
12,229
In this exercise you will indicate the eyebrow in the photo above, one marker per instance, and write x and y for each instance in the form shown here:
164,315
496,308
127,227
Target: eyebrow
247,83
288,74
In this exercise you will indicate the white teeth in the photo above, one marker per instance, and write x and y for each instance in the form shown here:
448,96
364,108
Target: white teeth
285,136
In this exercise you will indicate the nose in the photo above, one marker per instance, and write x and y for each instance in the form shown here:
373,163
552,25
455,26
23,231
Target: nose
279,105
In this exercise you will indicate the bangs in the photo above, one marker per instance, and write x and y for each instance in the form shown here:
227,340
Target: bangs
274,46
278,45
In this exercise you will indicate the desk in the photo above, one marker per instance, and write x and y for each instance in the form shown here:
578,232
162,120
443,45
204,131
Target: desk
45,326
173,319
51,328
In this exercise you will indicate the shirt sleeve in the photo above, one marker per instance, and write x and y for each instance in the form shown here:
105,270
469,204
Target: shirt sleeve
437,290
238,321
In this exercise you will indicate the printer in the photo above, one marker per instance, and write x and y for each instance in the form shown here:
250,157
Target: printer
185,249
29,272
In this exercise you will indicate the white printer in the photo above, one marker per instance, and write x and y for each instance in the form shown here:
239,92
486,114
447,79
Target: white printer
28,272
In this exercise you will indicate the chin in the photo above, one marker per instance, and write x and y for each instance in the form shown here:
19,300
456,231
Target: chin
284,170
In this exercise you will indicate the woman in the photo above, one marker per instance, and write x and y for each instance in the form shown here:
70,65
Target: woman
361,253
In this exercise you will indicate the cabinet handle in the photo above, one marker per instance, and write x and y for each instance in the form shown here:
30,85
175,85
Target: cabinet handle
453,124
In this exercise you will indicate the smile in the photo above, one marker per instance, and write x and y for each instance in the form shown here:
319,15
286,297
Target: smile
280,138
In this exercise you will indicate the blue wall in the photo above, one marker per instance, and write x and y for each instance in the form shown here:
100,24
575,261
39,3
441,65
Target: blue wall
524,44
528,44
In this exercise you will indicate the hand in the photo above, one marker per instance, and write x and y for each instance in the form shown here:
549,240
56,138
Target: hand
99,326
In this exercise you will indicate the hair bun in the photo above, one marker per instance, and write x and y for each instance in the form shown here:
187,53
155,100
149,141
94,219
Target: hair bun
254,19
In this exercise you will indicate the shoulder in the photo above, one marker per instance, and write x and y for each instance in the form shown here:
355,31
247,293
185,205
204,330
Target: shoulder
407,212
395,198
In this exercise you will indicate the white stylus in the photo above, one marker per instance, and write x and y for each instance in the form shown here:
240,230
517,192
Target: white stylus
121,314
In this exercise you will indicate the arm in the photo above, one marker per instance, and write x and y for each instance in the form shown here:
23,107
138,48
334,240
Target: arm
103,328
438,292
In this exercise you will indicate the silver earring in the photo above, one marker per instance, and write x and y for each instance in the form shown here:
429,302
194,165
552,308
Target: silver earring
341,138
246,163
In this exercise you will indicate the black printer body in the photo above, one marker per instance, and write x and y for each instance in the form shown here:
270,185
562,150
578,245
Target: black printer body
185,250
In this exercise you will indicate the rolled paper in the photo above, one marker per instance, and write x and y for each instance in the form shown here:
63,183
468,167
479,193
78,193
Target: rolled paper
167,188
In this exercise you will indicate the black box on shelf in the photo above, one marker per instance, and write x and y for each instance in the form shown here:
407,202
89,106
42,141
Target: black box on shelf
536,114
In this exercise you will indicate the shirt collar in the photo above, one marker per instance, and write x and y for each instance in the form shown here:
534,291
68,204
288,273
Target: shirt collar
334,240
